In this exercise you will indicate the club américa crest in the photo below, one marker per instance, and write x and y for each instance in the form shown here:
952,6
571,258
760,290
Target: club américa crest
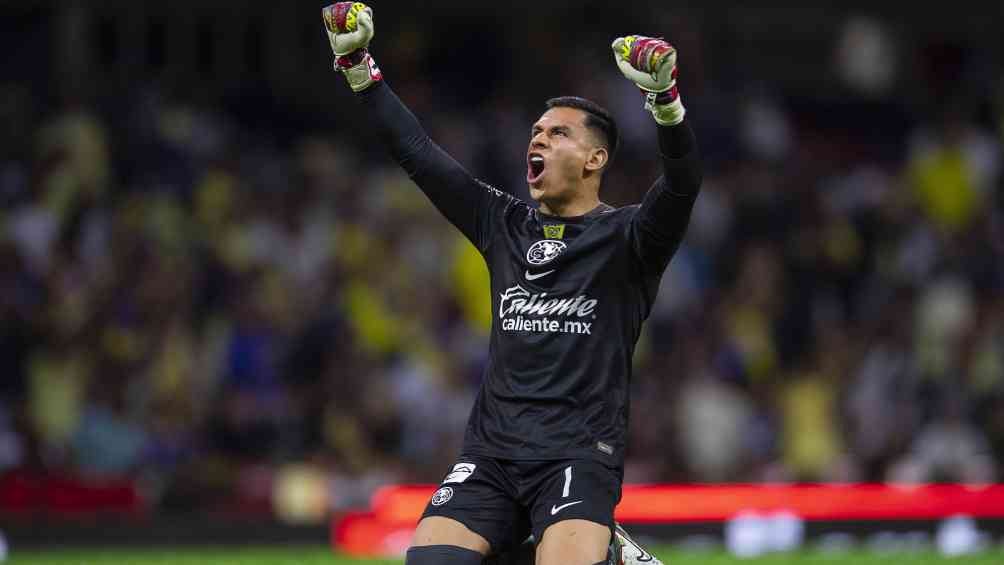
442,496
544,250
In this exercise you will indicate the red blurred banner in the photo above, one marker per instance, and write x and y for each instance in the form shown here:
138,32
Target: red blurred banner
386,528
697,503
67,495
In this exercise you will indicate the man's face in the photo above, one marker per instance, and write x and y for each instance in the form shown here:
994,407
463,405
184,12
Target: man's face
561,153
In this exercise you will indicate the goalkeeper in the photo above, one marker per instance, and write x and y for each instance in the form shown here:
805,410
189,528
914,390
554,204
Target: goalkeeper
572,281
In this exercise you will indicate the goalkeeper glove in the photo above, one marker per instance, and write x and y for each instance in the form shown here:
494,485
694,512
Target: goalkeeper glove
650,63
350,29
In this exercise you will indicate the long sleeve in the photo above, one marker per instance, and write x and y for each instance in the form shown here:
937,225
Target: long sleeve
461,198
661,221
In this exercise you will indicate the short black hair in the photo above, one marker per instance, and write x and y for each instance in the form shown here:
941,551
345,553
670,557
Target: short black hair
598,119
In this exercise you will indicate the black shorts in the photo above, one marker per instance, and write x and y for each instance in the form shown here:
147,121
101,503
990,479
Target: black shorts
504,501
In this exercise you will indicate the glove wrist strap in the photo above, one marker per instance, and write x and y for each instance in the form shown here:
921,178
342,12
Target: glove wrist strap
359,68
666,107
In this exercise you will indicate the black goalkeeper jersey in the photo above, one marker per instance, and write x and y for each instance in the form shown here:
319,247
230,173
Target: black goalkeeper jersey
569,294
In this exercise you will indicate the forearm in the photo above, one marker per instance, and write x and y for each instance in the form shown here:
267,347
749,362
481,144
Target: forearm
665,211
447,184
680,159
397,128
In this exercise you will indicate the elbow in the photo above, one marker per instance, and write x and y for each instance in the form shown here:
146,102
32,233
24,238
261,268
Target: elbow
409,153
684,176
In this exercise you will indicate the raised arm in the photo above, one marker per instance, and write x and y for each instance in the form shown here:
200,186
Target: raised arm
460,197
658,227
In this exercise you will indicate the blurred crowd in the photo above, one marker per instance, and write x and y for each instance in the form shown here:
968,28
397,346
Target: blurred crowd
198,304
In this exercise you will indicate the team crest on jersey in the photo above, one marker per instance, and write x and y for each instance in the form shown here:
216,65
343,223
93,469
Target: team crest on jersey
544,250
554,231
442,496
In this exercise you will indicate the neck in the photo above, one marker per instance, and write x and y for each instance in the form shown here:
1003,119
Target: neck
578,206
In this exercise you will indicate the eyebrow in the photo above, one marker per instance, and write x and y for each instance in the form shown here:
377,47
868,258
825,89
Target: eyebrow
563,128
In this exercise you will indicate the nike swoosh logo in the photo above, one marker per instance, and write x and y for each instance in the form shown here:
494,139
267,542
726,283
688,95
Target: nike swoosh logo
643,556
532,277
556,509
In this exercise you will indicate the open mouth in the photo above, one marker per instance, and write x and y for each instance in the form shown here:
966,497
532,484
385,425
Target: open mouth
534,167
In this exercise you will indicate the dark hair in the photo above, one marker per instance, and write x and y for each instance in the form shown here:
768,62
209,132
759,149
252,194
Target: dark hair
598,119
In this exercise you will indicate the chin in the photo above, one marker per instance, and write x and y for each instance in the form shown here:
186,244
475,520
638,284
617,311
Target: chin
537,192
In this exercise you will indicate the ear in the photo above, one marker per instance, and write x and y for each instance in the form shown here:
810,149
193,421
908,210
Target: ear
598,157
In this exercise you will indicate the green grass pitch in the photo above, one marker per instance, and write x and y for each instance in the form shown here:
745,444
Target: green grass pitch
322,555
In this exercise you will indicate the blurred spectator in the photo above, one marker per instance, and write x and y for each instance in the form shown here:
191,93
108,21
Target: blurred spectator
948,449
953,168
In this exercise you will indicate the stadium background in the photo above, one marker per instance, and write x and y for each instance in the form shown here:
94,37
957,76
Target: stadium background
220,299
